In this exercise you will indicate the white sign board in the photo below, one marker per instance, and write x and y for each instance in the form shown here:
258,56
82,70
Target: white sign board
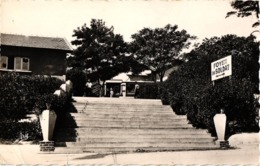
221,68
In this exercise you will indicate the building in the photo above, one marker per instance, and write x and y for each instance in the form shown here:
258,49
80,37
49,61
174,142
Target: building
124,83
34,54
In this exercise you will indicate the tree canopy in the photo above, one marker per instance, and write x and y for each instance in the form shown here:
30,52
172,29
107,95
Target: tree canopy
100,53
158,49
245,9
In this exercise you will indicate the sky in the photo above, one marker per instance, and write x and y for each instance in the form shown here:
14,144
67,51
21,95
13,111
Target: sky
58,18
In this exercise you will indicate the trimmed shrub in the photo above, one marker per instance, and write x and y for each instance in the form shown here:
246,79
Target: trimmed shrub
59,104
164,93
148,91
78,78
10,130
18,93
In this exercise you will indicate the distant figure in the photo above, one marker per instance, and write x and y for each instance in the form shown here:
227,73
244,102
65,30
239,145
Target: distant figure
107,92
111,92
136,90
101,91
88,88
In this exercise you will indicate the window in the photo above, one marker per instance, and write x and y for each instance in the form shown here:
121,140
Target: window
3,62
21,63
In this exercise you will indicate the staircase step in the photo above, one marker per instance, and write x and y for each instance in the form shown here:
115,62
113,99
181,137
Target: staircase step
129,125
130,131
135,144
83,136
135,103
125,110
126,115
118,101
85,118
94,139
130,121
125,106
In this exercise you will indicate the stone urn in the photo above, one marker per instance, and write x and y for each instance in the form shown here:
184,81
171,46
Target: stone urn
47,121
220,126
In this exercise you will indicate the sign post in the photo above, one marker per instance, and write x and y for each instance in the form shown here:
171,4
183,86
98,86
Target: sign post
220,69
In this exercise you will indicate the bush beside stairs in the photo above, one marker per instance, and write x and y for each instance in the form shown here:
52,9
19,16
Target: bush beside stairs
115,125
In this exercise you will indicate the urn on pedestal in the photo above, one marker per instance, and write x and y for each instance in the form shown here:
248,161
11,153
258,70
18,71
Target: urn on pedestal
47,121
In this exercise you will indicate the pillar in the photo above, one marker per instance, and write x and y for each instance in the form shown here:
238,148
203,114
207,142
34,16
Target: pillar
123,86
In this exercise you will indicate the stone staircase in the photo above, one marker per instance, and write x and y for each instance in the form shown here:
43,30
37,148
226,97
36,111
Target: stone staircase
116,125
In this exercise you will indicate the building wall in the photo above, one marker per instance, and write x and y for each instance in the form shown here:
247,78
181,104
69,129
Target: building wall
42,61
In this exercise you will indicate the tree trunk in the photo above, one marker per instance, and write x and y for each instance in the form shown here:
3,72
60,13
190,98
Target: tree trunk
161,75
257,9
154,76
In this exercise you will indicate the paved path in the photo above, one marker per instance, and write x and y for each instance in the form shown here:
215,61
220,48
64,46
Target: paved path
29,154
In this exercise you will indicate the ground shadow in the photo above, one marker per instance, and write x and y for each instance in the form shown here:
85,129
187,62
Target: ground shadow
65,128
94,156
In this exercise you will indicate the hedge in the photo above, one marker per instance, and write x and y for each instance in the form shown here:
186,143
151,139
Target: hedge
29,131
190,90
164,93
148,91
78,78
21,95
18,93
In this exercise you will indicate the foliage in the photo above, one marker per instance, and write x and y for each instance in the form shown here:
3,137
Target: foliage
57,103
18,93
10,130
148,91
21,95
100,52
191,92
245,9
78,78
158,49
135,67
164,94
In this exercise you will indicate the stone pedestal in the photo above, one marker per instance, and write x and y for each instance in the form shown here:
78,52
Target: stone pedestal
47,146
223,144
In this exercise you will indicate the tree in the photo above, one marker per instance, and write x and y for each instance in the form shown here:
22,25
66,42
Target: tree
245,9
100,53
158,49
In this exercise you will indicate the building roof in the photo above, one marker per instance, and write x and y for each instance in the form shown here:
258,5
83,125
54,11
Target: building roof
129,77
35,42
